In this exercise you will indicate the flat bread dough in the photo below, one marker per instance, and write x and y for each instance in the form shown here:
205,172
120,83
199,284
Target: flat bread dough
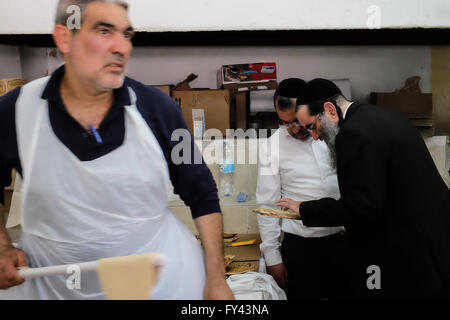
229,235
228,259
277,213
129,277
241,267
229,240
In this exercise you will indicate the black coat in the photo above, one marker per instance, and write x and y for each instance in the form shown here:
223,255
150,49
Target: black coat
394,205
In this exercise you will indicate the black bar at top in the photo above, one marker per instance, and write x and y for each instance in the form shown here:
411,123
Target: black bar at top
417,36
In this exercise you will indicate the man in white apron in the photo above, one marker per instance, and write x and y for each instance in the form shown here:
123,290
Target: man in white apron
93,148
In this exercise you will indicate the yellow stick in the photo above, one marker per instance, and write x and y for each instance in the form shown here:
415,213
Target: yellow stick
243,243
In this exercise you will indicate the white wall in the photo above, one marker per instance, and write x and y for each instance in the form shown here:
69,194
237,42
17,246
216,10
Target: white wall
10,62
34,63
39,62
31,16
369,68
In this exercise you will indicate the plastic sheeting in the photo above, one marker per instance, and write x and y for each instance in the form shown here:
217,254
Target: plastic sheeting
255,286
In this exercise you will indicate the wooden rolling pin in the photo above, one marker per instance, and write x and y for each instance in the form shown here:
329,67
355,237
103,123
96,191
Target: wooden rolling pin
28,273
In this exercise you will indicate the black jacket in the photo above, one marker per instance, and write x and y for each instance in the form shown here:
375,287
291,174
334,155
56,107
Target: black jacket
394,205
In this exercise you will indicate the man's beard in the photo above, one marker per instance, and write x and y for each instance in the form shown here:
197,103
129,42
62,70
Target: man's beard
329,133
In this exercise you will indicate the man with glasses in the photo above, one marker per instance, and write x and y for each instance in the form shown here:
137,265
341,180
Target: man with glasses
394,204
309,263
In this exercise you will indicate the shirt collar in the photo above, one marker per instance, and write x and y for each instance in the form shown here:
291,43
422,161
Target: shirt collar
284,131
348,107
52,90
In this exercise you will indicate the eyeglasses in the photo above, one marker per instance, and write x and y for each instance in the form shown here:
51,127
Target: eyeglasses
312,126
294,123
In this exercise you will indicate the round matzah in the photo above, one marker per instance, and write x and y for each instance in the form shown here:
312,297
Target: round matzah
277,213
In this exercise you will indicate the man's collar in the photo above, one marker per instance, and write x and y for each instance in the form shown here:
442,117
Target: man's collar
352,109
345,112
284,131
52,90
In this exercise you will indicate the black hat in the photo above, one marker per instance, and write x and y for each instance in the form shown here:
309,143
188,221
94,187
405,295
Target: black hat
316,90
290,88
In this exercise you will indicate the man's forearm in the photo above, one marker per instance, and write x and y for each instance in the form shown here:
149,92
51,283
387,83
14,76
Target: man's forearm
211,233
270,232
210,227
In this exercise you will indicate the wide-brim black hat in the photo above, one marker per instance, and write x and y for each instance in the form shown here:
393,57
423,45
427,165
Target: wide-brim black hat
316,90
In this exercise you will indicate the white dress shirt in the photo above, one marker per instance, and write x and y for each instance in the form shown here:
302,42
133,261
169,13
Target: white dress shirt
299,170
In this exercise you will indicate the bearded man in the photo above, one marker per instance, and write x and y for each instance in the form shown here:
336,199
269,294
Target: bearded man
394,204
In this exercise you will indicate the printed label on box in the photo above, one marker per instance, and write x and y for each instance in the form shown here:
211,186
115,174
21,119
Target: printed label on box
198,118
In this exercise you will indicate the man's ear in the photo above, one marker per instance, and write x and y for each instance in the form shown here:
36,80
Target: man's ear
62,37
330,108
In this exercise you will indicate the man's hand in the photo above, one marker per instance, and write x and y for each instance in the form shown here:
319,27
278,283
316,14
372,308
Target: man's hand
10,259
289,204
279,273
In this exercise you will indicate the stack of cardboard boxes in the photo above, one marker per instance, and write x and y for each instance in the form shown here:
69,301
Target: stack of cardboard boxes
213,105
409,100
227,107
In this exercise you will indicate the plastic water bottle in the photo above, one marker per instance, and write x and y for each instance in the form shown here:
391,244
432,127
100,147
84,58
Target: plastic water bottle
227,171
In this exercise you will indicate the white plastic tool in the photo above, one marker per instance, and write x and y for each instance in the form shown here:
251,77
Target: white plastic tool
28,273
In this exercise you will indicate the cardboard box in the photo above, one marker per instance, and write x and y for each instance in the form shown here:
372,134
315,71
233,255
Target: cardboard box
184,85
412,104
214,103
165,88
7,85
249,72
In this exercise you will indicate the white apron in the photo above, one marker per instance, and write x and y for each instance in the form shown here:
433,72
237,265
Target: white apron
116,205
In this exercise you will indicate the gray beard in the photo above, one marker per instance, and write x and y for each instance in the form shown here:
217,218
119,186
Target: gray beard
329,133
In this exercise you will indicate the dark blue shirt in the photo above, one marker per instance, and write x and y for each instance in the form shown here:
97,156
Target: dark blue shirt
193,182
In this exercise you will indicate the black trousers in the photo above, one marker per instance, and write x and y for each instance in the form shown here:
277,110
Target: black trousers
316,267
